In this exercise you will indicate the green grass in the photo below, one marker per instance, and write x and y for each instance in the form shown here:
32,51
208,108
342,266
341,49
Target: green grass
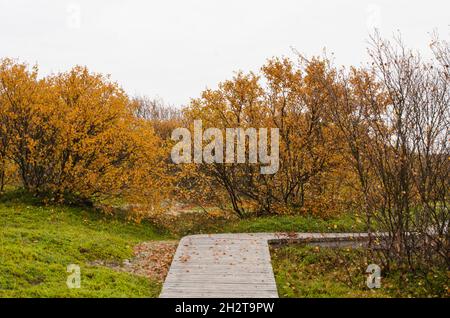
195,223
297,223
305,271
38,242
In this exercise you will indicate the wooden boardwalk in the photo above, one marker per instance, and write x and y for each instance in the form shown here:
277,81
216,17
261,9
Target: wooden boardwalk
231,265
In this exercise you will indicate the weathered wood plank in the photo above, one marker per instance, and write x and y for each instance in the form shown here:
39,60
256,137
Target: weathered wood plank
221,266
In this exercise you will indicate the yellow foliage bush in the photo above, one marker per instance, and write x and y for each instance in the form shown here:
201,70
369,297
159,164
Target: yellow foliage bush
75,136
291,98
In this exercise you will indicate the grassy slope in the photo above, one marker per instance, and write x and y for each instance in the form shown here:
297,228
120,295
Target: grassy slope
37,243
201,223
302,271
298,223
307,272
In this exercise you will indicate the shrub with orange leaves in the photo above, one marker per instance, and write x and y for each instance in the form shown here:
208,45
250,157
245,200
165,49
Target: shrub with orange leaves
75,136
284,96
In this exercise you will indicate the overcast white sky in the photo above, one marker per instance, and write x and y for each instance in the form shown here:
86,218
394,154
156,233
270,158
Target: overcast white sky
175,48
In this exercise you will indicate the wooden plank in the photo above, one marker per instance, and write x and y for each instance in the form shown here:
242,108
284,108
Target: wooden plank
236,265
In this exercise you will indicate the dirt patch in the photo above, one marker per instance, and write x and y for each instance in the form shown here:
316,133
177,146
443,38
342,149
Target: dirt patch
151,260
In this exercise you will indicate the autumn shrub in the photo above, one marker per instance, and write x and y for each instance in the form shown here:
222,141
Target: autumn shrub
284,95
74,136
394,116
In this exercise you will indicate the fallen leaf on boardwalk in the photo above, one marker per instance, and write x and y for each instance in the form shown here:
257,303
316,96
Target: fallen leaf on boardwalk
184,258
